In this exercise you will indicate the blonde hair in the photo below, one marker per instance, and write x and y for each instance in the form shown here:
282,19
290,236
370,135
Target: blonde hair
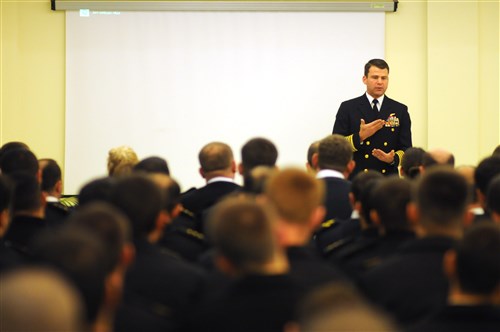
295,194
121,161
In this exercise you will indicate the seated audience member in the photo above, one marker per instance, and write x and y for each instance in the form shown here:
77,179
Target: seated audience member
334,164
343,232
437,157
486,170
262,296
112,228
98,190
12,146
158,281
81,257
493,199
467,171
55,212
28,209
337,308
473,271
257,152
20,160
411,162
297,197
177,236
411,285
38,299
152,165
8,257
388,202
218,168
121,161
311,151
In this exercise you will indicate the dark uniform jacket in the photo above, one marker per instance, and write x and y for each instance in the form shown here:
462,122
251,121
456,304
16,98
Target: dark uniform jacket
22,232
411,285
337,198
396,135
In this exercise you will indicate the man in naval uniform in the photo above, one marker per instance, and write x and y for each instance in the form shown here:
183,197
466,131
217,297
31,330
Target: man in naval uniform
378,128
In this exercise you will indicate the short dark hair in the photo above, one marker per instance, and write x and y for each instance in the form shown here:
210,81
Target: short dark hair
442,196
19,160
313,148
258,152
493,195
361,180
487,169
215,156
27,192
12,146
108,224
78,256
241,231
366,199
51,174
6,191
496,152
152,165
334,152
412,160
98,190
390,198
379,63
141,200
478,259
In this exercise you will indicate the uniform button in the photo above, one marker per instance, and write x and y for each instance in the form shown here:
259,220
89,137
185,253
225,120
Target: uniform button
367,142
383,171
385,143
365,170
367,156
392,129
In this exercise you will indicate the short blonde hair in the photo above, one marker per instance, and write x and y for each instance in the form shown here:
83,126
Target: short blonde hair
295,194
121,161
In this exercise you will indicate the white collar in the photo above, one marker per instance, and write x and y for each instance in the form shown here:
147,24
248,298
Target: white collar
220,179
51,199
380,100
329,173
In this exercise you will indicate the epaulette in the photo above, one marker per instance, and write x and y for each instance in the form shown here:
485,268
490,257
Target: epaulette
70,202
329,249
188,213
195,234
327,224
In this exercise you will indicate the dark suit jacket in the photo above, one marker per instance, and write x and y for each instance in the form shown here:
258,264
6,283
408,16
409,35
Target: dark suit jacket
337,198
396,135
22,232
161,284
411,285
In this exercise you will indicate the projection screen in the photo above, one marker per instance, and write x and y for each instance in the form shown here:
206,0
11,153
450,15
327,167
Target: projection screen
167,83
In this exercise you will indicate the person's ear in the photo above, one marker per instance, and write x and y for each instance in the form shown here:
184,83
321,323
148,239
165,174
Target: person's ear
450,264
202,172
176,211
317,216
127,255
59,187
314,159
413,214
375,217
240,169
350,166
224,265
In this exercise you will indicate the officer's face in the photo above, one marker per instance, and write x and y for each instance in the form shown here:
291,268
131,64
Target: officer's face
376,82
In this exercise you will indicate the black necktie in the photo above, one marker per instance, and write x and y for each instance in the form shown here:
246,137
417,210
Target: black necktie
375,102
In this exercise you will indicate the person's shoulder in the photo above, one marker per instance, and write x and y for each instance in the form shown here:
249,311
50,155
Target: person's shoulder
395,103
354,100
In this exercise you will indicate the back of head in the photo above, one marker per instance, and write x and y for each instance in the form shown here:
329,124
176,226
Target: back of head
493,195
12,146
51,174
27,193
140,199
361,181
215,156
390,199
98,190
242,232
152,165
487,169
339,307
334,152
258,152
121,161
379,63
412,160
313,148
6,191
295,195
19,160
170,189
438,157
37,299
478,259
442,196
78,256
106,223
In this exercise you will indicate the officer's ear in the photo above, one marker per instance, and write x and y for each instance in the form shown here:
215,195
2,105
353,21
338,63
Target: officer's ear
314,160
240,169
350,166
413,214
224,265
202,172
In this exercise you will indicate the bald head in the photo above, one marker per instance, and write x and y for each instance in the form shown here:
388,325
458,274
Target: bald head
216,159
439,157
